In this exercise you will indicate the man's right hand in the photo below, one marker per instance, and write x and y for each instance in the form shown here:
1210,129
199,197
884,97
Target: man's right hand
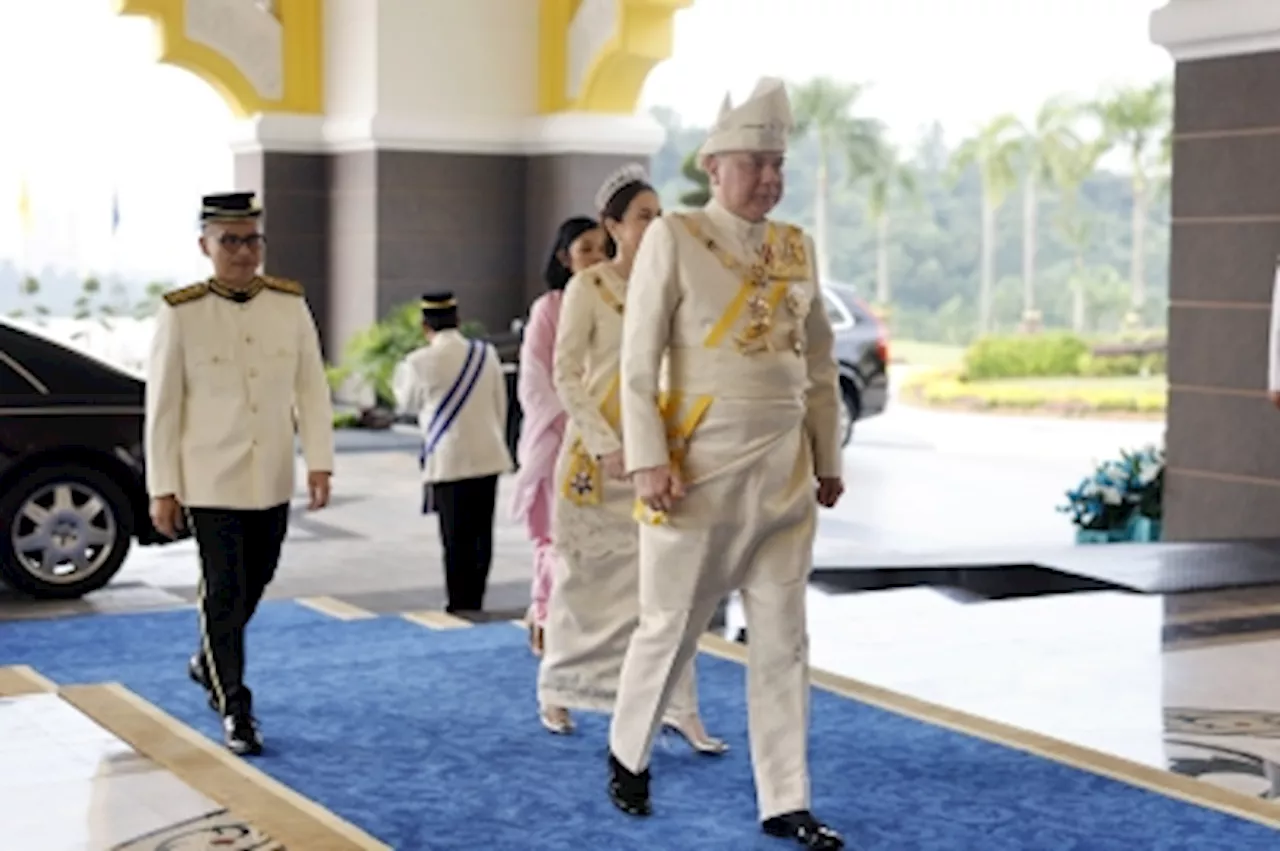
166,515
1275,398
615,467
658,488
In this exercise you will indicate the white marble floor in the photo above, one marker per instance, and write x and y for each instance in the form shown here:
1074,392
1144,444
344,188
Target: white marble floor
67,784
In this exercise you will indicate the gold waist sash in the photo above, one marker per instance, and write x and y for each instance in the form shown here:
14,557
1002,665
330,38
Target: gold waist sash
583,480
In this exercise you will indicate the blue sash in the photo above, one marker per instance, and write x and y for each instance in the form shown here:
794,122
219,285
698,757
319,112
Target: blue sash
449,408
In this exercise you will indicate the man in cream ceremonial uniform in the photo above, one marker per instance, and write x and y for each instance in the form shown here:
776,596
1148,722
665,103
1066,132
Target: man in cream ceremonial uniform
235,372
456,388
730,458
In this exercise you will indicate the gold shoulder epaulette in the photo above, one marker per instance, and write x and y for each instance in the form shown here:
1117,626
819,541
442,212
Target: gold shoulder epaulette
186,295
283,285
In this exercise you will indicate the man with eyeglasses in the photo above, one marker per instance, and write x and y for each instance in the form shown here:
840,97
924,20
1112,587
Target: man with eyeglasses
235,371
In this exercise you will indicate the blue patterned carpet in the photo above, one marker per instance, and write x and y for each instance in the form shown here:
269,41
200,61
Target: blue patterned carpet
429,740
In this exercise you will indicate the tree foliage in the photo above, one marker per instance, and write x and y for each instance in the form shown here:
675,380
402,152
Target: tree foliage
1084,230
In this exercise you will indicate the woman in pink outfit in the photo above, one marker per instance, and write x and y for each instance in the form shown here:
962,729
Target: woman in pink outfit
579,245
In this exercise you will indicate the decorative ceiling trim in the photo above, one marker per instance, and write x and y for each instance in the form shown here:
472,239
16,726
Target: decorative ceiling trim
613,47
261,57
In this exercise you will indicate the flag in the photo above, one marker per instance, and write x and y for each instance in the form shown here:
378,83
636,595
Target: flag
115,212
24,206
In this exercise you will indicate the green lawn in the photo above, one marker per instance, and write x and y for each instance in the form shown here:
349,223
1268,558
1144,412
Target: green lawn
1064,386
916,353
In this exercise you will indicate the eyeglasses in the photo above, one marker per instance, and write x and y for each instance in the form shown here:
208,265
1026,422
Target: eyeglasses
232,242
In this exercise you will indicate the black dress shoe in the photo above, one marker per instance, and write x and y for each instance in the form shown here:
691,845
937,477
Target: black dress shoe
629,792
200,676
240,732
805,829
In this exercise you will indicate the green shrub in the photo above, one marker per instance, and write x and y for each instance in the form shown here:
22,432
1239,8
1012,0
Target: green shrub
1116,366
1049,355
346,419
373,354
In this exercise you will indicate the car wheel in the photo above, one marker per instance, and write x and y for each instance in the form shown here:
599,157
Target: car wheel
65,531
849,408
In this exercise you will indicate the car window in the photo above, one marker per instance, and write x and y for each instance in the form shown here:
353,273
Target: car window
32,329
13,378
837,314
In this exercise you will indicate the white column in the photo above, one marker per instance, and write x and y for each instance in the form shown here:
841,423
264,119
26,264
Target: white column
1203,29
440,75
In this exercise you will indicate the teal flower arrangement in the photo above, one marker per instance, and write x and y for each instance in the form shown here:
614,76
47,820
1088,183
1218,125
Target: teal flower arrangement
1122,499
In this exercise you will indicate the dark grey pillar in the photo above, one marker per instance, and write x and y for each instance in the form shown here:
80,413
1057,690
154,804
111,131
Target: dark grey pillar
294,190
560,186
1223,434
456,222
367,231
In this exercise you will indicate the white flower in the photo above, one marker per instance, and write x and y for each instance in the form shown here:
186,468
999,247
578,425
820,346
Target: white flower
798,301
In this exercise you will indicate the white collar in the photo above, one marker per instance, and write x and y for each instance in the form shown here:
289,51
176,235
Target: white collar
749,234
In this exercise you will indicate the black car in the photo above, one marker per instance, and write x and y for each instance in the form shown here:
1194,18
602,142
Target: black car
72,490
862,350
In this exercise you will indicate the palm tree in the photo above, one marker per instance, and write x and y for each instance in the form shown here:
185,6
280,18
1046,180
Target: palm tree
1136,120
994,151
888,178
700,194
824,112
1050,136
1070,168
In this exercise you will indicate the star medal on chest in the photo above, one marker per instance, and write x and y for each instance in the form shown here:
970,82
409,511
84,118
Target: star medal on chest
582,483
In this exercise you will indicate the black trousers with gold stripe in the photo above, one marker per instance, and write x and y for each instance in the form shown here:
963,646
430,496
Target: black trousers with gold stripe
466,509
239,552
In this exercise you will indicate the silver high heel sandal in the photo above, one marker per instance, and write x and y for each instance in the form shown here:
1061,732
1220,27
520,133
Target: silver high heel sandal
556,720
692,731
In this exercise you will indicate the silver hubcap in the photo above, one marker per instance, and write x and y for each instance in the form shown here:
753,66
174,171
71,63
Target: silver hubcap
63,533
845,419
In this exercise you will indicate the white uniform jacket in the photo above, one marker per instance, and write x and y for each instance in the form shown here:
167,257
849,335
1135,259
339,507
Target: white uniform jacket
475,444
229,386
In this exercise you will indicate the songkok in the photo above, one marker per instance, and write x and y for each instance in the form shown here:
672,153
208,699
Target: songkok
761,123
439,305
229,207
619,180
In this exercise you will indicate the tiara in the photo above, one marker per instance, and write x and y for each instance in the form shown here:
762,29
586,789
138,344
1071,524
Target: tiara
625,176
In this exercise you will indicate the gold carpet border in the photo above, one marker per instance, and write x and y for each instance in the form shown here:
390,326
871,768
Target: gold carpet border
335,608
21,680
436,620
267,804
1107,765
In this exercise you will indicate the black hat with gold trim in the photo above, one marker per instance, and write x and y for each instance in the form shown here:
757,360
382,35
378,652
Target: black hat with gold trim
230,207
437,306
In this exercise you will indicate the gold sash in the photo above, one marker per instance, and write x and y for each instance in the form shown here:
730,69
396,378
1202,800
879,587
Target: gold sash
782,259
583,481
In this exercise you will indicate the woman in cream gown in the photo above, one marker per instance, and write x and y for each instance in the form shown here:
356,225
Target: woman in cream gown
594,605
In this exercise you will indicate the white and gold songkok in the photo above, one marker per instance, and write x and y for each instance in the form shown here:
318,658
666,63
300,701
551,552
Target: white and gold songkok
763,122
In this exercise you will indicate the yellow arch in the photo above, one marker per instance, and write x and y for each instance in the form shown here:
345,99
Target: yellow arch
302,24
613,82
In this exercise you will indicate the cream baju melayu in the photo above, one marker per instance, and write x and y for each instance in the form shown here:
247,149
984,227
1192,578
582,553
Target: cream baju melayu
594,605
750,420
